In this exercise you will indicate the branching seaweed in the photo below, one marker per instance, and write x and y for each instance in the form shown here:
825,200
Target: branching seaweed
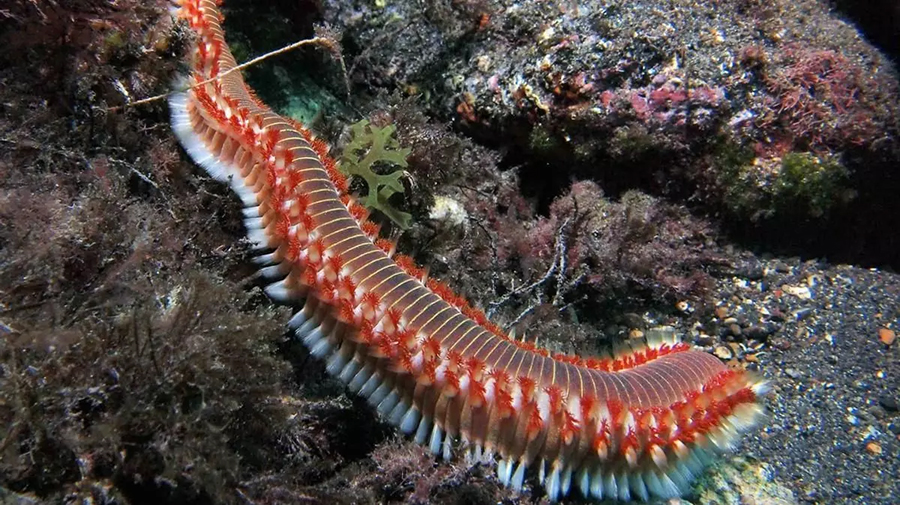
369,147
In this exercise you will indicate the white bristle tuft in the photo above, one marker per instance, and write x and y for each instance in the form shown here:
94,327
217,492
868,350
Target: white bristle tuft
335,363
423,430
297,320
518,477
349,371
313,337
265,259
435,443
584,482
623,487
610,486
278,291
380,394
321,348
638,487
356,383
447,448
395,412
253,223
370,386
597,484
501,471
275,271
552,484
410,421
565,481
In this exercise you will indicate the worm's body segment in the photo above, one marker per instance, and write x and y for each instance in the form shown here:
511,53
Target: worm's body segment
640,425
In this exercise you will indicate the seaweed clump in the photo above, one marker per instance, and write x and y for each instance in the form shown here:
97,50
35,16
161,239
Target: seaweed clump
408,473
796,186
172,397
369,155
609,248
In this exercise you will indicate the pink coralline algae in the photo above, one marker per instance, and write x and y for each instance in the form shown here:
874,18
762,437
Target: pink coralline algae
822,99
667,100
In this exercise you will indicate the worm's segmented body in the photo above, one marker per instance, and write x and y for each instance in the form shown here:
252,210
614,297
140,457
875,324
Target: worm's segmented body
636,426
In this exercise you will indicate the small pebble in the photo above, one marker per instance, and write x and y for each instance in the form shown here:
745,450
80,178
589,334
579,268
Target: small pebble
801,292
781,343
793,374
760,331
723,352
704,339
887,336
753,272
889,404
874,448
